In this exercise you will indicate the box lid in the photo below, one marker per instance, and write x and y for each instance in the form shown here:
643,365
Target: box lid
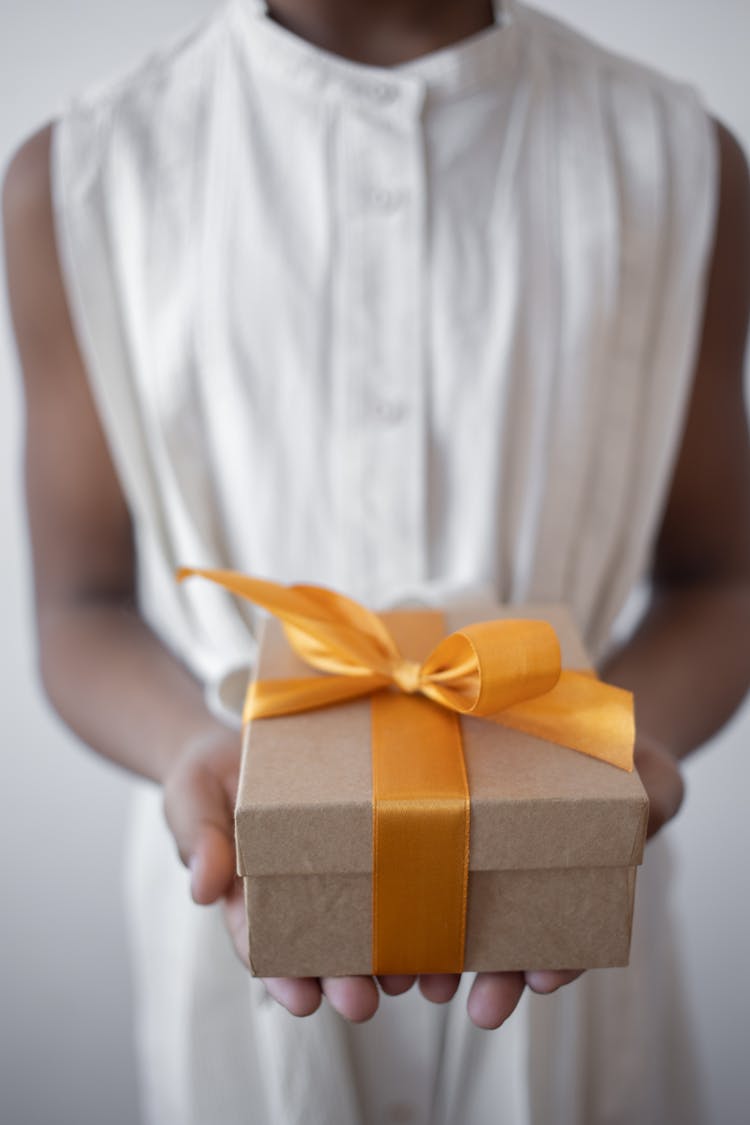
304,801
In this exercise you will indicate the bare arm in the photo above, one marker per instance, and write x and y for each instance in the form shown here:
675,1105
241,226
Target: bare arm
688,662
95,651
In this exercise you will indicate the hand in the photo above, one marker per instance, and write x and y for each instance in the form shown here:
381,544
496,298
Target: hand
662,779
494,996
199,797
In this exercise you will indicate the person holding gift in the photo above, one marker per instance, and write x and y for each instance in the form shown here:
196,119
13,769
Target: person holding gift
406,299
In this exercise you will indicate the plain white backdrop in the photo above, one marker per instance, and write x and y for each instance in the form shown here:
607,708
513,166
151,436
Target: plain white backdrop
65,1050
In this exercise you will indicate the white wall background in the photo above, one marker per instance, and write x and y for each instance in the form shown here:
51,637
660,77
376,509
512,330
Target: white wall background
65,1051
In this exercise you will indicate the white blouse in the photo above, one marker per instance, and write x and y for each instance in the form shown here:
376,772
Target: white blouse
404,331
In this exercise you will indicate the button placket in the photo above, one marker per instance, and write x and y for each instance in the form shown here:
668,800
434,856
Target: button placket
381,362
394,432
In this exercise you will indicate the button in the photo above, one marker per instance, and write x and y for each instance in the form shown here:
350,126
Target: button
401,1112
386,200
381,92
384,93
387,410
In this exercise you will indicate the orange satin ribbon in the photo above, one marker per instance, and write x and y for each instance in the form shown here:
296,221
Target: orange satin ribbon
507,671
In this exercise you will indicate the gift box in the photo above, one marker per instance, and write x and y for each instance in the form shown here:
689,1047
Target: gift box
554,836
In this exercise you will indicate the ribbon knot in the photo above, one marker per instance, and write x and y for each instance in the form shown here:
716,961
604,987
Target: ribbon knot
407,675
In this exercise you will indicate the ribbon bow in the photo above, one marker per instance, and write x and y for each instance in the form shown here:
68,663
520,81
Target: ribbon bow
507,671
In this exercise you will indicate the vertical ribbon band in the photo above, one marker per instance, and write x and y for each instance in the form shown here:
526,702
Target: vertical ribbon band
421,813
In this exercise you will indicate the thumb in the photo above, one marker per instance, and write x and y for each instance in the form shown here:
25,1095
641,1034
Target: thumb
199,815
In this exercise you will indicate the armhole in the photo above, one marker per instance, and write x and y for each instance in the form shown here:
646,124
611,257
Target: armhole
85,265
668,379
693,267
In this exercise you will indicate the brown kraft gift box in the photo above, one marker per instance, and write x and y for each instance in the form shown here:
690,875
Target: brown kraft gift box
555,840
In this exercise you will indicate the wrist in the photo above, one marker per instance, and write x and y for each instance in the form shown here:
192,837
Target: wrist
661,775
649,743
192,740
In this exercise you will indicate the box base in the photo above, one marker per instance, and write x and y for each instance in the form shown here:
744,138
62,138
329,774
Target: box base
564,918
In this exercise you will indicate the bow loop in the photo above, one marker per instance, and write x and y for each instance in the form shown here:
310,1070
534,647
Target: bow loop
487,667
341,635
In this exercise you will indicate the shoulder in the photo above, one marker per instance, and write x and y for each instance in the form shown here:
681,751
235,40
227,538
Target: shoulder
132,126
734,182
26,179
706,529
565,44
728,292
657,140
640,106
30,249
142,113
155,80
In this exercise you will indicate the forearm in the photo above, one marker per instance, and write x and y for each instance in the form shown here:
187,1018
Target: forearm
687,663
118,687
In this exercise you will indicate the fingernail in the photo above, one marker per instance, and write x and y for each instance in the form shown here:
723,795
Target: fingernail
540,982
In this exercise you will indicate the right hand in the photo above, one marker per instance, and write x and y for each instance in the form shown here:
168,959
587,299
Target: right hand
199,796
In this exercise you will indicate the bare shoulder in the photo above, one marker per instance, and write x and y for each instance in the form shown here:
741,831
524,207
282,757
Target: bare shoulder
79,522
34,282
728,294
735,176
26,176
705,533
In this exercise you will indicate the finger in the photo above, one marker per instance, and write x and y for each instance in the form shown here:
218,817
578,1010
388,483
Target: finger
354,998
439,987
545,981
396,985
212,865
199,816
299,995
493,998
235,917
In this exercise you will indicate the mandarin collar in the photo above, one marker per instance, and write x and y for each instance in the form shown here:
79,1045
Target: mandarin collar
451,72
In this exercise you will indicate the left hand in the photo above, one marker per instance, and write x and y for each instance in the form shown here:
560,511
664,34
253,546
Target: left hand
494,996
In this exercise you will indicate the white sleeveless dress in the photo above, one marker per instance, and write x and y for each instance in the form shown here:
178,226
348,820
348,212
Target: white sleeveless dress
406,331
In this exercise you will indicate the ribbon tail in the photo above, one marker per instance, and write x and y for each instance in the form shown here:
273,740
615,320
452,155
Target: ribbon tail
582,713
269,698
329,631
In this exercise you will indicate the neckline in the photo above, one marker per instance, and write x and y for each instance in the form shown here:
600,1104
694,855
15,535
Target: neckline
451,71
